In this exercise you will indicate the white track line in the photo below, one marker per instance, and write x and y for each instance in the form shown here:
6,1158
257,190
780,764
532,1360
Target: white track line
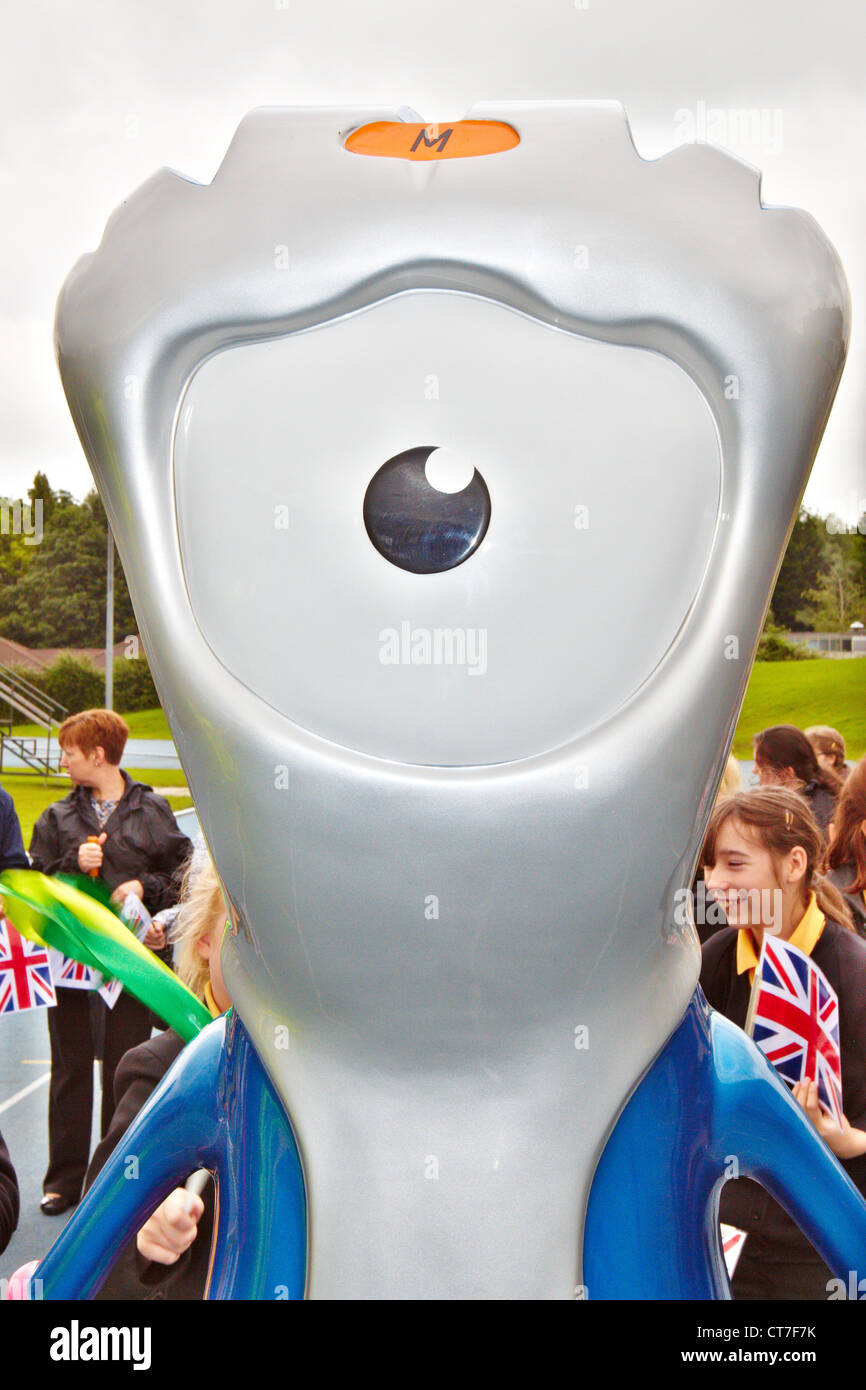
19,1095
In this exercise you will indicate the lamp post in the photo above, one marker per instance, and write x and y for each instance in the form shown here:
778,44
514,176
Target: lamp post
109,620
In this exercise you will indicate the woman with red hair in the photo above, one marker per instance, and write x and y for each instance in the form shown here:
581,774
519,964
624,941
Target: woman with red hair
121,832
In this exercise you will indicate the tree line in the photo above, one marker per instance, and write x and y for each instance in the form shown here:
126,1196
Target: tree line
53,557
822,582
52,571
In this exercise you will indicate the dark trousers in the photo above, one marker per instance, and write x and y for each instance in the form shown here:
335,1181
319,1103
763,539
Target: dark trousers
757,1277
76,1026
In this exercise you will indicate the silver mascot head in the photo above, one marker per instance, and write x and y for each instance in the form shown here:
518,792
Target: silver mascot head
451,492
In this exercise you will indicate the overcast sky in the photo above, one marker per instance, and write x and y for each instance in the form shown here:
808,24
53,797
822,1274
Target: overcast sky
100,93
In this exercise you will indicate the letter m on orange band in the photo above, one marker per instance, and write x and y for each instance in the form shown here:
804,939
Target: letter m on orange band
431,140
403,140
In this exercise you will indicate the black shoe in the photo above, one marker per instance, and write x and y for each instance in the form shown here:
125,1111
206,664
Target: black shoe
53,1204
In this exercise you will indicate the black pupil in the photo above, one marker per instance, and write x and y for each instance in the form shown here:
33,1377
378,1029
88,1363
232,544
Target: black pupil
416,526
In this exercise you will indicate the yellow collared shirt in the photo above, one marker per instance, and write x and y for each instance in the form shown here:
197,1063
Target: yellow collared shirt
805,935
210,1002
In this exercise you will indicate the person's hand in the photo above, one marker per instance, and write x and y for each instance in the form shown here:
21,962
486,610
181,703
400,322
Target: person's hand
172,1229
843,1140
154,940
122,891
90,855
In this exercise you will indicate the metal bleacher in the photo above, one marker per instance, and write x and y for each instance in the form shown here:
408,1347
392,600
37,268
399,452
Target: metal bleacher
22,698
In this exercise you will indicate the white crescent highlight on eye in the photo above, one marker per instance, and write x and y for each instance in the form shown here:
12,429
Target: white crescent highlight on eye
446,470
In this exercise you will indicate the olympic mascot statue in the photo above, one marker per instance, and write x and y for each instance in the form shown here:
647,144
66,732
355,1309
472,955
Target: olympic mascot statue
451,468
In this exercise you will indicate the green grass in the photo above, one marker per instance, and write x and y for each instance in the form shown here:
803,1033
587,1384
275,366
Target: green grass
148,723
143,723
804,693
780,692
158,776
32,795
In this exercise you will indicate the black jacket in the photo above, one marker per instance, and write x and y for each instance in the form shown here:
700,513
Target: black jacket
8,1197
822,803
138,1074
12,854
841,955
142,841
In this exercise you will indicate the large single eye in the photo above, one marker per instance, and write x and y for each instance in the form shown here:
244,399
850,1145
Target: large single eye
416,524
508,610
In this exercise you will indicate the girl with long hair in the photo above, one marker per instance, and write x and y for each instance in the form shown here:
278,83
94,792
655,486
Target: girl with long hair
784,757
846,856
761,858
829,746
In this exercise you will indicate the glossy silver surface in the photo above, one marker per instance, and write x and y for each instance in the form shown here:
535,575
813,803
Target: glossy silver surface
448,1114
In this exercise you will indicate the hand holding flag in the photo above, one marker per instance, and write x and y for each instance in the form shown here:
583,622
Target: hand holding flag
90,854
794,1018
840,1136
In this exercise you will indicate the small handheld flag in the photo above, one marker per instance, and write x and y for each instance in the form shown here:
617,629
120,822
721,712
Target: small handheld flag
794,1018
134,915
25,974
733,1241
71,974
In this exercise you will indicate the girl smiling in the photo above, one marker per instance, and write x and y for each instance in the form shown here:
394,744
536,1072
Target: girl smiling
760,861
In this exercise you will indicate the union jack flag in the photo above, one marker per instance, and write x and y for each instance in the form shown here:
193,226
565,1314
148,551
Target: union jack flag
25,975
134,915
71,974
794,1019
733,1241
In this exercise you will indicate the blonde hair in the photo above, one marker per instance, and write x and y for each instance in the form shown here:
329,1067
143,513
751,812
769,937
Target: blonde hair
202,898
732,777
